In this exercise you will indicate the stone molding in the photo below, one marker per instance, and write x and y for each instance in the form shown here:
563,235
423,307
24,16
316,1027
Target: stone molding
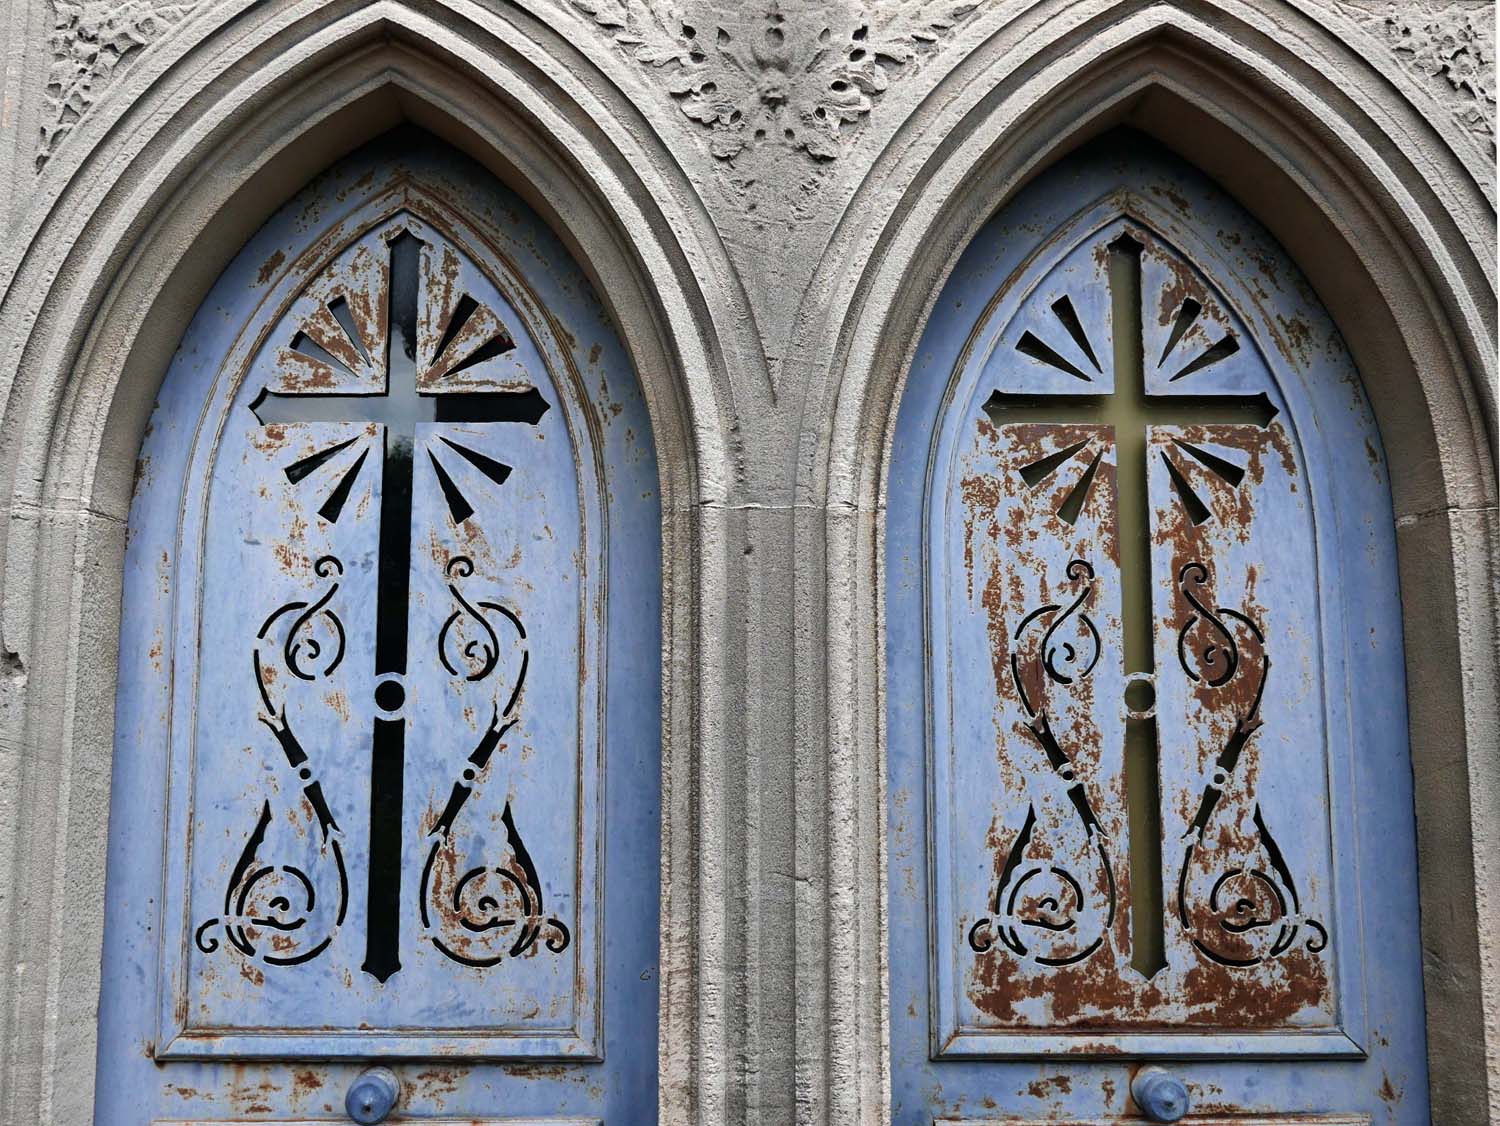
773,994
804,78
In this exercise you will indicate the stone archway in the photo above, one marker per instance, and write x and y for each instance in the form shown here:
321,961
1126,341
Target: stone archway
1401,276
139,218
1308,119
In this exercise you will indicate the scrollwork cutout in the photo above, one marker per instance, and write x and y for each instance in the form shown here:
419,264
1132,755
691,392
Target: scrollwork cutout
478,914
1055,900
468,645
273,911
1236,897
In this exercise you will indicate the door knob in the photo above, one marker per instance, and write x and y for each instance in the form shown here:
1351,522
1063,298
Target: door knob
372,1096
1161,1096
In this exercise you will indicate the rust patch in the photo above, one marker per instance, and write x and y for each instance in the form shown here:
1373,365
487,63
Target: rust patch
305,1083
1046,1088
1388,1092
1295,337
1014,546
269,268
1175,198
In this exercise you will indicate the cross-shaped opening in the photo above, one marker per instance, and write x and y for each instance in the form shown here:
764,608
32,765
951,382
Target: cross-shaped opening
1128,411
405,402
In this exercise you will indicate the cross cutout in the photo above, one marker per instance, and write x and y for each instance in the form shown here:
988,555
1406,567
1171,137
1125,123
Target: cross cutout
406,402
1128,411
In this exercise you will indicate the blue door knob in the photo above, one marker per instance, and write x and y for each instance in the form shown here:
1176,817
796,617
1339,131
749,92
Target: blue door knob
1161,1096
372,1096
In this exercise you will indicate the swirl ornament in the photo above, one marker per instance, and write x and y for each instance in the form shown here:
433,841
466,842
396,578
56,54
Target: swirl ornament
1056,899
1206,647
272,910
478,914
1236,897
314,646
467,644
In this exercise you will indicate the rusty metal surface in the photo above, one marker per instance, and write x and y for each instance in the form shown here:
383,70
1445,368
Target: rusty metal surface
1245,946
362,806
1137,552
1190,1120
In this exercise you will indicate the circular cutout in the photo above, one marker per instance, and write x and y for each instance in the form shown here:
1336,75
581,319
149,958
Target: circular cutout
1140,696
389,695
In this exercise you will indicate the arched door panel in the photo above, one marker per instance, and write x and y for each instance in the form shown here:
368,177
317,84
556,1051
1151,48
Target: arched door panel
388,754
1151,791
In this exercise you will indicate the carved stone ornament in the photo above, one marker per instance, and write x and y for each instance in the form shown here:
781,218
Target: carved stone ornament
1449,45
805,78
92,43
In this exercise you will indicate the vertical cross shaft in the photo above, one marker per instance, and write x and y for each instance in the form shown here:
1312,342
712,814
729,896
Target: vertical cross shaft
388,745
1128,411
1133,533
400,408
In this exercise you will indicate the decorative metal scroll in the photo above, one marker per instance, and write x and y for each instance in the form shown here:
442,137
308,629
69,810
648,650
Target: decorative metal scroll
272,909
478,914
1048,905
1238,903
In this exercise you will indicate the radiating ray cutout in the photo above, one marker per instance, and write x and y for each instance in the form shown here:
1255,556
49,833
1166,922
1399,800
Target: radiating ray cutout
339,319
1038,471
495,346
1225,347
1222,468
300,469
334,505
1063,310
314,351
1073,503
496,343
496,471
1033,346
339,307
1192,503
461,314
1185,318
458,506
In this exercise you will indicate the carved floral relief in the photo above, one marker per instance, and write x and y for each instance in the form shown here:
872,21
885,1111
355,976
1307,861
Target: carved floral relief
92,43
1449,45
804,77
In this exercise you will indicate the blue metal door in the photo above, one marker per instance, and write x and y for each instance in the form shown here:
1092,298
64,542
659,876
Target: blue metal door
387,756
1151,809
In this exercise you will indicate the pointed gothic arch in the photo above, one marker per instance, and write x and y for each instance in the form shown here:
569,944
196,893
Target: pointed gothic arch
150,200
1396,253
1274,106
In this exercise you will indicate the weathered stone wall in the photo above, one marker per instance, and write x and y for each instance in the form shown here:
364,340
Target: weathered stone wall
769,196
